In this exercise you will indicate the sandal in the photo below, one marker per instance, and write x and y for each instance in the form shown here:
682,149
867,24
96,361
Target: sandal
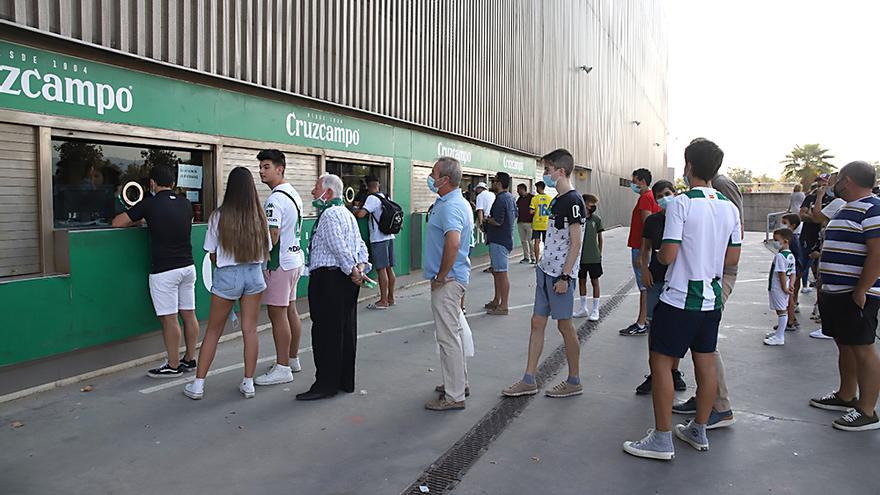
376,306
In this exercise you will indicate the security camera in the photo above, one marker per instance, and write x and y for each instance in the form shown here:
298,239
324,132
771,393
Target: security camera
637,122
585,68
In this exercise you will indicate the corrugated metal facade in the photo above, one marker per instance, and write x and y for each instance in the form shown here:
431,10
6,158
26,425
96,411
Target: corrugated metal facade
504,72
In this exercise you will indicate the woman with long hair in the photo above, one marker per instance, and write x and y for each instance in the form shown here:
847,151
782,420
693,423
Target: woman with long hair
238,243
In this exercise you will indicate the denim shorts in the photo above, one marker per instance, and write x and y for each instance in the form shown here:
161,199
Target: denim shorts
636,270
232,282
498,257
548,302
653,297
383,254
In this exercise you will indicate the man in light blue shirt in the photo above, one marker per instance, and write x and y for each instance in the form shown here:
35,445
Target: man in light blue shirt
446,264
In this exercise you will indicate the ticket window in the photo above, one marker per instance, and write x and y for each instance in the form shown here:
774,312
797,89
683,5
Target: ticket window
354,179
93,181
469,184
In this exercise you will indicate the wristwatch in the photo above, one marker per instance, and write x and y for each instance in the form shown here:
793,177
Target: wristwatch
565,277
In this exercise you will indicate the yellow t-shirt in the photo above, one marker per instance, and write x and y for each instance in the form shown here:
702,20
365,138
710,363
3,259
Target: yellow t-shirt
541,205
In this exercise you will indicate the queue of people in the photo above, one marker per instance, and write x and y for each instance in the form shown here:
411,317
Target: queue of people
685,249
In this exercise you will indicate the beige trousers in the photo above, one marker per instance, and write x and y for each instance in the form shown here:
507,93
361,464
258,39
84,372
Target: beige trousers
525,237
446,306
722,403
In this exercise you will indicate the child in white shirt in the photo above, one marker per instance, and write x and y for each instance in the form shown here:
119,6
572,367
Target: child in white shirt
781,286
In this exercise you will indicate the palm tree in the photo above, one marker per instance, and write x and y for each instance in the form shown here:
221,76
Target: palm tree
806,162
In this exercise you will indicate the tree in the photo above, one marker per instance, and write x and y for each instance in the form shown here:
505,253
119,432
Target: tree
806,162
740,175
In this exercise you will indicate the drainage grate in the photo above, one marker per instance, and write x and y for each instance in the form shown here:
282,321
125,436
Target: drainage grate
445,473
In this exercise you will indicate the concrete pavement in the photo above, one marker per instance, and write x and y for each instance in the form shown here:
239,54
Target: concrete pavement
131,434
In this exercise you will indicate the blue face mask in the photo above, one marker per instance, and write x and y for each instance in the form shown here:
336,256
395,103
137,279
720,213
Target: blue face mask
664,201
431,185
635,188
549,180
687,183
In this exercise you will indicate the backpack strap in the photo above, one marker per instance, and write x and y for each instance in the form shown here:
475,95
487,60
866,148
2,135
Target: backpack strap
299,217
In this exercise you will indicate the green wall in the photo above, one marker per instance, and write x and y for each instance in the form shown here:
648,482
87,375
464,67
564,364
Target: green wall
106,296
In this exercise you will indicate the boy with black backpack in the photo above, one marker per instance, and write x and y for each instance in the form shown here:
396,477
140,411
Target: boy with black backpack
386,220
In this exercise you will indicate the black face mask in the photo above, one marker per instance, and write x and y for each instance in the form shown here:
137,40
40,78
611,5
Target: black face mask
592,209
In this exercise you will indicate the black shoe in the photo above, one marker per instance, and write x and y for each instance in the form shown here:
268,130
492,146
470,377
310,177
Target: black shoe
678,381
645,387
165,371
185,365
314,395
687,407
634,329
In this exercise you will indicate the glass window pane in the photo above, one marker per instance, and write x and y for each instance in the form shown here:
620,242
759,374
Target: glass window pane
90,178
354,179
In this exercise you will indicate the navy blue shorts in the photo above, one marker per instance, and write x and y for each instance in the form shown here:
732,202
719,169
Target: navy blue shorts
674,331
383,254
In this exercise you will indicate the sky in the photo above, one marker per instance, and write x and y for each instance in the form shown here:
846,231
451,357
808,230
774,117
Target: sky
759,77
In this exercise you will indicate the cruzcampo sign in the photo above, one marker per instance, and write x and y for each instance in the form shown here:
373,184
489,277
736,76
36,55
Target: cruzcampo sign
427,147
37,81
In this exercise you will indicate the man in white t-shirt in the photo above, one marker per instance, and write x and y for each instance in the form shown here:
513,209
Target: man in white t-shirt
284,213
701,237
485,200
381,245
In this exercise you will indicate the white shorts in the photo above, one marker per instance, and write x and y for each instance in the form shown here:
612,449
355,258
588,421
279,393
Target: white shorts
173,290
778,300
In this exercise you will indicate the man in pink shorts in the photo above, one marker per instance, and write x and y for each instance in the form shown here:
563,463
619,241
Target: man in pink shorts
284,212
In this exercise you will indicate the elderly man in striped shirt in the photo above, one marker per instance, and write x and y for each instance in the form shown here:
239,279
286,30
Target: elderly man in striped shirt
849,269
337,264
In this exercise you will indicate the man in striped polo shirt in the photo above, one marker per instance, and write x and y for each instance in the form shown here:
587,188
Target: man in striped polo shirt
701,237
850,298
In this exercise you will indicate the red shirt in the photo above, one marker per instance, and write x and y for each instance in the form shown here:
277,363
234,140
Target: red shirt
646,203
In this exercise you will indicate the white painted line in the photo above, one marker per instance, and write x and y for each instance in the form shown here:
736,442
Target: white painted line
151,358
266,359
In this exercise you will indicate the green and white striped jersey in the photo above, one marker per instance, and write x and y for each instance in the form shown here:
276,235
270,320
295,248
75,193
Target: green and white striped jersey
705,224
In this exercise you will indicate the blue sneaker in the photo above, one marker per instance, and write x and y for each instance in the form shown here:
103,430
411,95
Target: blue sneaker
693,435
720,419
656,445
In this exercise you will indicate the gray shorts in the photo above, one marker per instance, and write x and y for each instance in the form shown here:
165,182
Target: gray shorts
498,257
232,282
548,302
383,254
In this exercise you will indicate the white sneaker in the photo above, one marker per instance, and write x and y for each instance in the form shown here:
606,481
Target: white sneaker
190,391
594,315
580,312
806,290
247,390
819,335
772,340
295,366
277,374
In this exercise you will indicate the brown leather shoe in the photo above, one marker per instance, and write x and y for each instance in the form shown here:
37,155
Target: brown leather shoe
441,404
490,305
497,312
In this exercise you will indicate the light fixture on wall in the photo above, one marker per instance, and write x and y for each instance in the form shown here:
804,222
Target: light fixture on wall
657,144
585,68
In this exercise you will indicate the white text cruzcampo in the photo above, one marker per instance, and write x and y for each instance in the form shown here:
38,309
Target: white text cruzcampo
47,86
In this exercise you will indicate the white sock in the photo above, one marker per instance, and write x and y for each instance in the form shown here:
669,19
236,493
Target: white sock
584,303
282,366
595,304
199,384
248,382
294,361
780,329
